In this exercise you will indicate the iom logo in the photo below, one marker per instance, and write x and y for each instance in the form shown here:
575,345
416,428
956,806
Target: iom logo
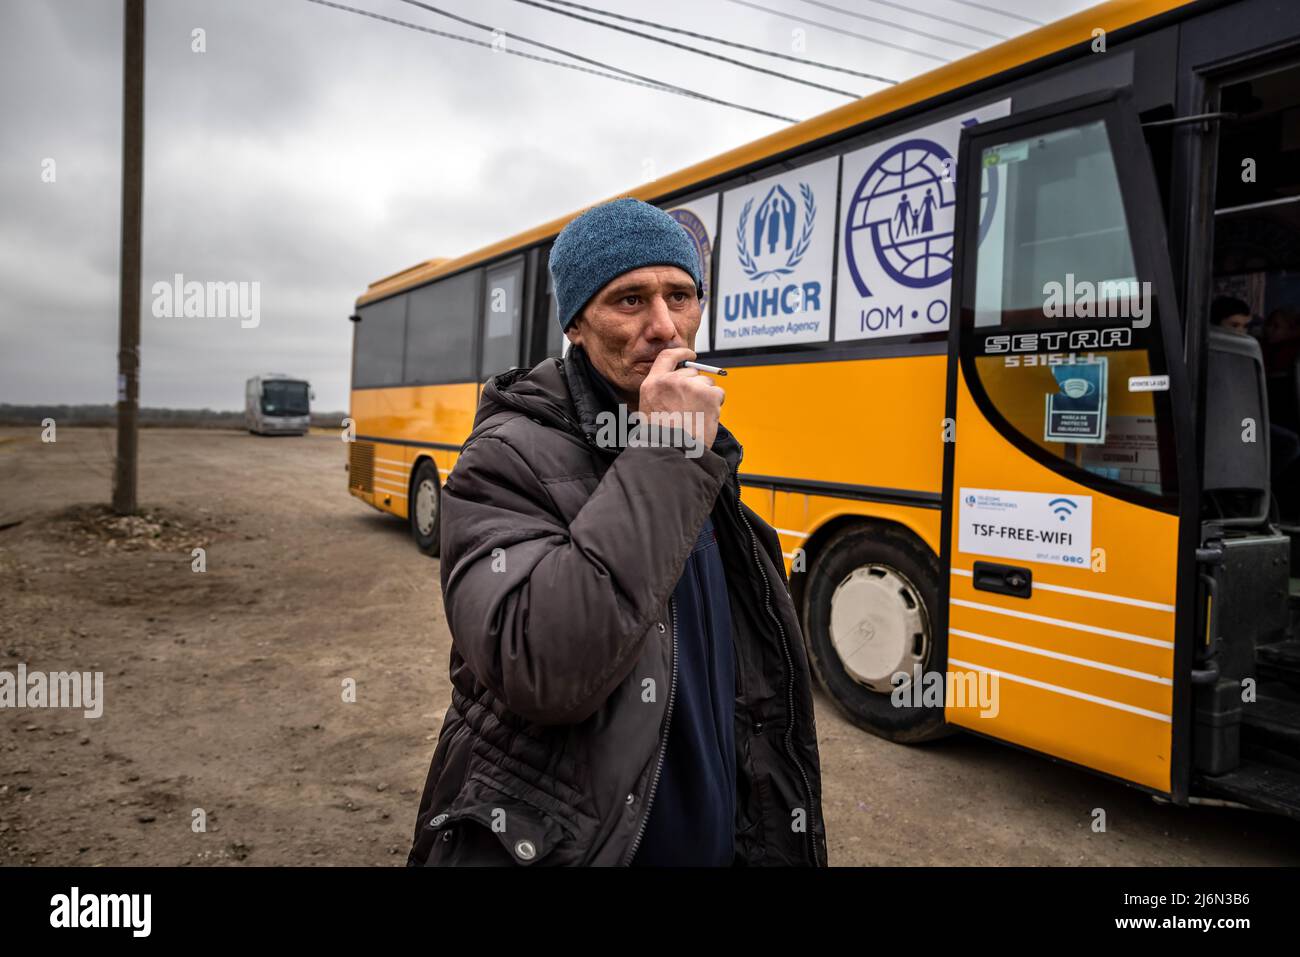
777,237
902,215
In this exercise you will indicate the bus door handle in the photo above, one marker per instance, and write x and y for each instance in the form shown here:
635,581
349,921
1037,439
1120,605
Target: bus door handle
1004,579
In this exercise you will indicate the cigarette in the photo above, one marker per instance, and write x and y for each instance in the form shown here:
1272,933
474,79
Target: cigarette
712,370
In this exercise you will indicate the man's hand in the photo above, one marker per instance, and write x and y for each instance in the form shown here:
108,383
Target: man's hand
684,391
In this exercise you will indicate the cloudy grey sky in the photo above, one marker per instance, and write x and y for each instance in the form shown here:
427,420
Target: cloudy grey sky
313,151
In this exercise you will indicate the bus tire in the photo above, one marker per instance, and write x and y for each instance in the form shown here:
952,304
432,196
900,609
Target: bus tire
425,508
869,613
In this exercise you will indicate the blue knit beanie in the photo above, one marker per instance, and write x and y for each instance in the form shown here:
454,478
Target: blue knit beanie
609,240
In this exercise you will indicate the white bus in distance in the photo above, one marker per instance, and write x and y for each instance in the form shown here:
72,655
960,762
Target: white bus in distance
276,404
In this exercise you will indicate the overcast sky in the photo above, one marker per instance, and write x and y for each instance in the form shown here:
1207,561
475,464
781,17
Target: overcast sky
313,151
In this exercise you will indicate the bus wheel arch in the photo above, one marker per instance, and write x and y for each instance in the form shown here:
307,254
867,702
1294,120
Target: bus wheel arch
868,604
424,506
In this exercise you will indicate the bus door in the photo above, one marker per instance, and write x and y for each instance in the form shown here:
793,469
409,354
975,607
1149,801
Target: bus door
1069,453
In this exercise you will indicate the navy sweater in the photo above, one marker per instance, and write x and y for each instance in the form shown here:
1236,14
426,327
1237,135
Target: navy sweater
692,817
693,811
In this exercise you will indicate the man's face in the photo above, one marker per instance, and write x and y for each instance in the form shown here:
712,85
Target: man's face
1237,323
632,319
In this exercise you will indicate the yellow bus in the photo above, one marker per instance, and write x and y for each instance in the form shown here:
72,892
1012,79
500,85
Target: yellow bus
967,325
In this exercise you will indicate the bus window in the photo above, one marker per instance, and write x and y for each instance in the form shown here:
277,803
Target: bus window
1065,327
501,315
377,349
1062,225
440,331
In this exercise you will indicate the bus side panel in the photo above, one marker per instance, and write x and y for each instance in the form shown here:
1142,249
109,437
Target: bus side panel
880,418
798,517
391,479
414,420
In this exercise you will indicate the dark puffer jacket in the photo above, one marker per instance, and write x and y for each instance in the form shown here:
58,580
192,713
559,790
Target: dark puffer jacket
559,559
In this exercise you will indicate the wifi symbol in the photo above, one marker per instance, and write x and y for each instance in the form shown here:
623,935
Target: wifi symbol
1063,508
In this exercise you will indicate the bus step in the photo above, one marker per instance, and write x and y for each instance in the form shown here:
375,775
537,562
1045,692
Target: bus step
1261,786
1272,721
1280,659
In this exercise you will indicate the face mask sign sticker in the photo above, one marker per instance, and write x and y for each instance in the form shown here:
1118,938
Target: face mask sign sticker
1076,412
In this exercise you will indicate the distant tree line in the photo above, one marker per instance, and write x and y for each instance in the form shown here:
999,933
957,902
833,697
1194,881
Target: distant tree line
106,415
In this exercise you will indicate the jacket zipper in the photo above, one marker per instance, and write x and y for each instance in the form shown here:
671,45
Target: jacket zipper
663,740
672,694
789,663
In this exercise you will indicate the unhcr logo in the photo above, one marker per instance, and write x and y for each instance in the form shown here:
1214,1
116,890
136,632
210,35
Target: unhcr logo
771,240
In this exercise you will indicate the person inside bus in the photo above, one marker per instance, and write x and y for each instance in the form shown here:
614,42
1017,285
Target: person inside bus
629,679
1231,314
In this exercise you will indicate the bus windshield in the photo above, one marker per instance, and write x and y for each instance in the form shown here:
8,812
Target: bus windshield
282,397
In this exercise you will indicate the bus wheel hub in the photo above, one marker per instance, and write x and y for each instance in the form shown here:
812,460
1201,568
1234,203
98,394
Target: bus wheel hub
878,626
426,504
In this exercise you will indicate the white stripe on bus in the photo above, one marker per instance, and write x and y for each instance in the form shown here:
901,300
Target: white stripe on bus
1062,623
440,469
1099,595
1060,656
1070,692
391,472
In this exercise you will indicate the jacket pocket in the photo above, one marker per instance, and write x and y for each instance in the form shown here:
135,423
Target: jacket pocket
488,826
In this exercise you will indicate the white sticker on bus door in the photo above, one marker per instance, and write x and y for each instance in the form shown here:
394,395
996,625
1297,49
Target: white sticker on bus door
899,206
1131,454
699,218
1027,526
774,272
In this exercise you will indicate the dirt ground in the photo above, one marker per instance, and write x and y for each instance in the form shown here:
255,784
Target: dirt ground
224,689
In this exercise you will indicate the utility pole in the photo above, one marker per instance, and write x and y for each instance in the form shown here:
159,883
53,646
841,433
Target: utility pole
128,351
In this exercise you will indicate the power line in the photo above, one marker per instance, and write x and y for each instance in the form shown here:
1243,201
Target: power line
919,13
719,40
847,33
1004,13
682,46
888,23
632,79
481,43
554,49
